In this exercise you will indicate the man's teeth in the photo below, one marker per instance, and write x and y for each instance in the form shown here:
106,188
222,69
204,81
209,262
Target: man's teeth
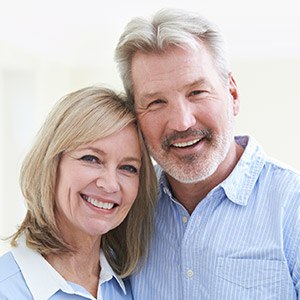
186,144
103,205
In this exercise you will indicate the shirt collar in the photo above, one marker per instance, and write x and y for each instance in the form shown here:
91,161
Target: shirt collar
29,260
107,273
240,183
37,271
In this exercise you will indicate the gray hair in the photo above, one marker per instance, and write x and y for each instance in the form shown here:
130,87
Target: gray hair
167,28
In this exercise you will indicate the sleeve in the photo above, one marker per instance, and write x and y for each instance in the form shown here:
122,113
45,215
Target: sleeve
296,256
292,241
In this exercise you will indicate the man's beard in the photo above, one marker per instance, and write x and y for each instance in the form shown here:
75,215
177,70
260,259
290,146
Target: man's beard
194,167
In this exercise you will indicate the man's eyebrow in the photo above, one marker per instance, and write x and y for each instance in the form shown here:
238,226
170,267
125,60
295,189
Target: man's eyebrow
200,81
150,95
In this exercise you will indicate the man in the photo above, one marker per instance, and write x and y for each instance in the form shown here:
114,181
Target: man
228,219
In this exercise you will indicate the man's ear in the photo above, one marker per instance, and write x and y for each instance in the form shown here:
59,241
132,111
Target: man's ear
234,94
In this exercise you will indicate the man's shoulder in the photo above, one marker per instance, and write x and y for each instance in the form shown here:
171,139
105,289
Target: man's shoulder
271,166
280,183
280,171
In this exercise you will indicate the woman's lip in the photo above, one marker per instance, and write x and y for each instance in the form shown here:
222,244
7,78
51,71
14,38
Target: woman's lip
105,204
100,198
99,209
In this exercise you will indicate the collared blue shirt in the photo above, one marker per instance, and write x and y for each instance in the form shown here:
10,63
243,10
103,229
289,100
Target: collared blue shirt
241,242
25,274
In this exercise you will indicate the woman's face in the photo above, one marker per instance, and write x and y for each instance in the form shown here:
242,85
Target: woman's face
97,184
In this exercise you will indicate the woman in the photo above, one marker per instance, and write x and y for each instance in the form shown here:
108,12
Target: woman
87,169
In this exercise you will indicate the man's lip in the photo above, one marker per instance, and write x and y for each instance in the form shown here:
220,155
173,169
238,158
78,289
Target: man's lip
186,143
192,136
187,150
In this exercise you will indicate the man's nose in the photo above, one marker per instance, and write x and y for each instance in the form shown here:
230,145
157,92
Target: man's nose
181,115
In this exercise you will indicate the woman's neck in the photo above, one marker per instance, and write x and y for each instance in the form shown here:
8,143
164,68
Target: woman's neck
81,267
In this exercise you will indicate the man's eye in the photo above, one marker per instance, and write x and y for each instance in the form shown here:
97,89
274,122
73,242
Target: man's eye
90,158
155,102
130,169
195,93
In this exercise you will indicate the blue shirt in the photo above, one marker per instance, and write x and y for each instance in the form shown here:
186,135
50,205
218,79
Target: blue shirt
25,274
241,242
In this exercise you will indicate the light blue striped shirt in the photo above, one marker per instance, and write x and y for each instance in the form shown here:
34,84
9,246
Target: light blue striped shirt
26,275
241,242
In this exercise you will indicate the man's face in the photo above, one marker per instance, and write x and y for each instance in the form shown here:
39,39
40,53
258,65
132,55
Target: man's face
185,111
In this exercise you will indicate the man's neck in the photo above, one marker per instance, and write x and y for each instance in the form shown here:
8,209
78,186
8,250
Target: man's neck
190,194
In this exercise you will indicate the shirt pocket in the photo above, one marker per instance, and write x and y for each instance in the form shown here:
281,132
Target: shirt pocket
251,278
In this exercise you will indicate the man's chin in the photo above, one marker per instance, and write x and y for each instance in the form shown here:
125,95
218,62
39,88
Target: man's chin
188,173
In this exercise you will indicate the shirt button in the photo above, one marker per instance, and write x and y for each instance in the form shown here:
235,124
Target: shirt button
184,219
190,273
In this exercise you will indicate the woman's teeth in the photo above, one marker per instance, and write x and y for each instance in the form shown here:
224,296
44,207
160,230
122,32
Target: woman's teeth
186,144
99,204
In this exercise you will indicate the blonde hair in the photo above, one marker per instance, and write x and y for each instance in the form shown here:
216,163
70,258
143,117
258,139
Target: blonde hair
83,117
168,28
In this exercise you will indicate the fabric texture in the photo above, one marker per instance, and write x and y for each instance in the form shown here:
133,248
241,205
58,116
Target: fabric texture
242,241
25,274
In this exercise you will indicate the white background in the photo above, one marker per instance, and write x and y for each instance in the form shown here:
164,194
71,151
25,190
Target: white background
49,48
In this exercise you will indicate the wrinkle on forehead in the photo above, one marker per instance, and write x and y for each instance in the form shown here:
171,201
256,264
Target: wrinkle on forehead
184,66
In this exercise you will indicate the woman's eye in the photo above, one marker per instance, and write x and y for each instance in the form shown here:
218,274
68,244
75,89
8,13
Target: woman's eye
130,169
90,158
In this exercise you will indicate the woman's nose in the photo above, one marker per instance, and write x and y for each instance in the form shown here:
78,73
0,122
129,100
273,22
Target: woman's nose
108,182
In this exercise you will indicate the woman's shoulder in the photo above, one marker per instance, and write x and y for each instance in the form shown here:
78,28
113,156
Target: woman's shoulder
12,284
8,266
